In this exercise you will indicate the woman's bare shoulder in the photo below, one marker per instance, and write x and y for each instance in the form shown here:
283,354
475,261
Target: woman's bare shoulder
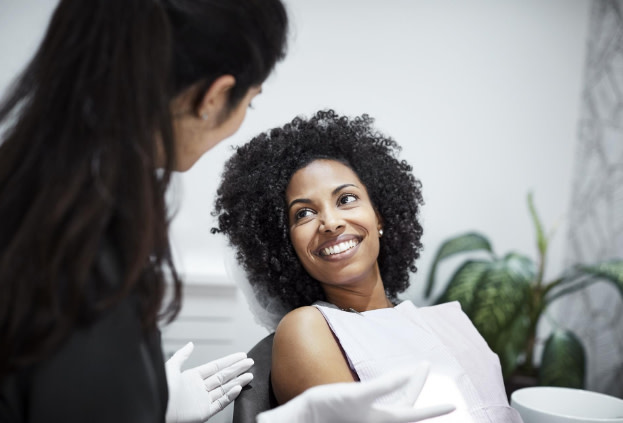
302,332
300,319
305,354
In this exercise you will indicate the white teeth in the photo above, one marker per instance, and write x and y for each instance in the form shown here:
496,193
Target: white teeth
339,248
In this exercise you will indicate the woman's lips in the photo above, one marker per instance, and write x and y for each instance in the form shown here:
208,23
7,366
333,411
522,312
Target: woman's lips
338,247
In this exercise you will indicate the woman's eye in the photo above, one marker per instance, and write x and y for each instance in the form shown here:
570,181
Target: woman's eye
303,213
347,198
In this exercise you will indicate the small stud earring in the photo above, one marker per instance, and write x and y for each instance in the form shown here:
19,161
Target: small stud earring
380,233
204,116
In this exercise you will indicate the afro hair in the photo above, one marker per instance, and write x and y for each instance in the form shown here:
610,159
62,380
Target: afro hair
252,210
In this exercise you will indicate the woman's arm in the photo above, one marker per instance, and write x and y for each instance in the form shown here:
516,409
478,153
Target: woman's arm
306,354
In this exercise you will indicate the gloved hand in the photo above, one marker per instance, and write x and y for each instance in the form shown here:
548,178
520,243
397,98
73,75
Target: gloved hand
353,402
197,394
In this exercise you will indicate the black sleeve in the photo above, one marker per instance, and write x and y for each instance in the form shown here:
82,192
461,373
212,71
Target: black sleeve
108,372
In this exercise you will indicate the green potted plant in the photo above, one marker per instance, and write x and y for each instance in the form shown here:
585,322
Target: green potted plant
505,297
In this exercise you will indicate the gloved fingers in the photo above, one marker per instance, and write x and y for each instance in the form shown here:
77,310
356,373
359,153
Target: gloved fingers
228,373
434,411
224,400
242,380
221,390
298,409
391,414
370,390
413,380
180,356
416,383
208,369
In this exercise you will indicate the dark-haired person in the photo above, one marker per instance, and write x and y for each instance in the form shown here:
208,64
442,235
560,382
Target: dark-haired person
120,94
324,217
117,90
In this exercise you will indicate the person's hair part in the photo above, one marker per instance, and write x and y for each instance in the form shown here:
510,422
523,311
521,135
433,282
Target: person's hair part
252,210
84,129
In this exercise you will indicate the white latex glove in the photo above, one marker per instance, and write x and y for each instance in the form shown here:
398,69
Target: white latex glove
353,402
197,394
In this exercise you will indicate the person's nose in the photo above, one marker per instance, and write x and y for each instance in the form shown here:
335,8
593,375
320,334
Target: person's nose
330,221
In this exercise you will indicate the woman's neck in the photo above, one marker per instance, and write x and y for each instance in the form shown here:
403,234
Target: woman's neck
358,298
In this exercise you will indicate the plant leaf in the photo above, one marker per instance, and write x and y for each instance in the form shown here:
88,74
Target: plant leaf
563,362
502,296
463,243
568,286
511,342
541,239
464,284
611,270
520,265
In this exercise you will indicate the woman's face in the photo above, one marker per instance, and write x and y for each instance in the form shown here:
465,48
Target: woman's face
333,226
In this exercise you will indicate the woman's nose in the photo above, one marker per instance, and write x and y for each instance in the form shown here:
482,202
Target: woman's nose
330,221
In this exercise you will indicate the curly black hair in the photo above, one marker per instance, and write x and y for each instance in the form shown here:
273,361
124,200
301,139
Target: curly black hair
252,211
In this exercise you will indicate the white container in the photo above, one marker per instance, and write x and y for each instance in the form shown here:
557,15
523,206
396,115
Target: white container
544,404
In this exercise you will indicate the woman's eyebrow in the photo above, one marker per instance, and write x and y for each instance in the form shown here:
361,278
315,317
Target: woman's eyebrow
308,201
299,200
341,187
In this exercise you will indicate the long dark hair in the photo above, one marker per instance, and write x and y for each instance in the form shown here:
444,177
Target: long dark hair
79,158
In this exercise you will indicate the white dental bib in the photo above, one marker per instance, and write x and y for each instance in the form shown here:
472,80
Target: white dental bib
463,369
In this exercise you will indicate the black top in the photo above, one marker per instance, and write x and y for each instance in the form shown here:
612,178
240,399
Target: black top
110,371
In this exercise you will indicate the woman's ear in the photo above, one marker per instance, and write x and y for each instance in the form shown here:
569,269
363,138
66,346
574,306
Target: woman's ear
215,98
379,219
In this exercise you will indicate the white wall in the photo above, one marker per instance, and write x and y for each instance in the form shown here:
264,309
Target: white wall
22,24
483,96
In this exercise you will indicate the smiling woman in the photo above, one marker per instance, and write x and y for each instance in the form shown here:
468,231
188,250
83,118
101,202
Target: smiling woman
324,217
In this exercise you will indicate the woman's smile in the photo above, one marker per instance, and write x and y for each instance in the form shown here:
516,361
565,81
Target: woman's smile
338,249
